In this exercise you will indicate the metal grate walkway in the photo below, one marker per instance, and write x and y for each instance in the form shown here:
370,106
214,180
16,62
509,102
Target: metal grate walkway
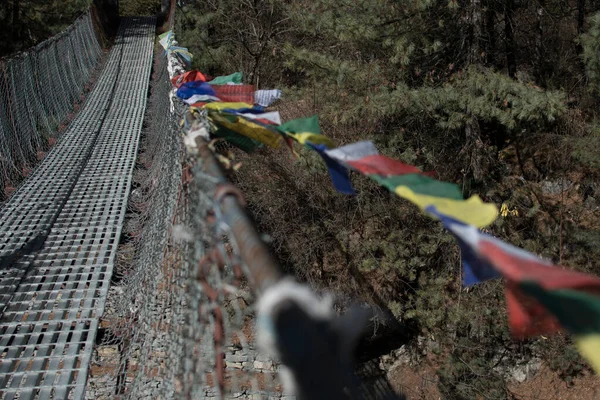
59,232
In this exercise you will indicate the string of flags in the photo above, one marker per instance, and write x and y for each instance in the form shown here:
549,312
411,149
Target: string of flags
168,42
541,298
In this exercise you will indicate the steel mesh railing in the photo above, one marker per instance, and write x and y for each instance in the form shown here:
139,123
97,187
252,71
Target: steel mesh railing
179,324
181,321
39,89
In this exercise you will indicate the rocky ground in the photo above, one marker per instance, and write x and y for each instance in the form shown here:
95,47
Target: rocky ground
415,376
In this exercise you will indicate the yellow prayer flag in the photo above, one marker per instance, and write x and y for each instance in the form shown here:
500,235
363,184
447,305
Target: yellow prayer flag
219,105
247,128
472,211
589,347
307,137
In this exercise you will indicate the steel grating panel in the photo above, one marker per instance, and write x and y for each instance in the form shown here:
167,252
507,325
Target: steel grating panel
60,231
46,360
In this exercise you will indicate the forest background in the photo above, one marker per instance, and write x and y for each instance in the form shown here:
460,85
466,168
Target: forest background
499,96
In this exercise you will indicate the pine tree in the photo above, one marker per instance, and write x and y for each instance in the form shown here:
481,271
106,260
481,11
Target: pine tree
235,35
591,52
140,7
28,22
421,67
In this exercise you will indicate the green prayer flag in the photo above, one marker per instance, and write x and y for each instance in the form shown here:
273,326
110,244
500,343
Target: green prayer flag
236,77
576,310
301,125
240,141
420,184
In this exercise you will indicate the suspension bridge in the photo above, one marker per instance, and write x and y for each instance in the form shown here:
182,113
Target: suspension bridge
112,292
103,226
60,230
129,268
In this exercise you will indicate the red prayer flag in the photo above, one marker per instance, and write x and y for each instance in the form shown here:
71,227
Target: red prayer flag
190,76
378,164
265,121
518,265
528,317
235,93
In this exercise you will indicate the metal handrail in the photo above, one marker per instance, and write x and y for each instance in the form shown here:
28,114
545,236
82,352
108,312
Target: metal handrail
261,265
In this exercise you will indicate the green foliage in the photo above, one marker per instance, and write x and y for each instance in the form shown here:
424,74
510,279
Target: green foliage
24,23
427,81
367,32
587,251
234,36
562,357
326,67
476,93
470,379
139,7
591,52
193,31
586,148
479,342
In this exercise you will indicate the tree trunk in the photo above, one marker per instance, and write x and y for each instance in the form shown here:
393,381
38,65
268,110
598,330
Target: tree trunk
475,48
580,16
511,59
490,36
15,21
477,158
540,68
165,6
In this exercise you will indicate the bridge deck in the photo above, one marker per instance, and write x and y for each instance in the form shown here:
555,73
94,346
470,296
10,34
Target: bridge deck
59,232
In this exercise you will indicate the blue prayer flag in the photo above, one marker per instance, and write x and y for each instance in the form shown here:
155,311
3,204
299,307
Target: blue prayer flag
338,173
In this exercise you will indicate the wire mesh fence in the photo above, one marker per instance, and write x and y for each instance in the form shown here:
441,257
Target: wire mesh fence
39,90
181,314
182,318
179,317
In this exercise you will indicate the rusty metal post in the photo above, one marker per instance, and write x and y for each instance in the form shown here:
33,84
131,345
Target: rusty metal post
262,268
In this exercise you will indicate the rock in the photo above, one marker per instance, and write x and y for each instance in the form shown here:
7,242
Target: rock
263,365
519,375
520,372
233,365
533,367
591,204
422,345
401,355
399,358
556,186
263,358
433,346
234,358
